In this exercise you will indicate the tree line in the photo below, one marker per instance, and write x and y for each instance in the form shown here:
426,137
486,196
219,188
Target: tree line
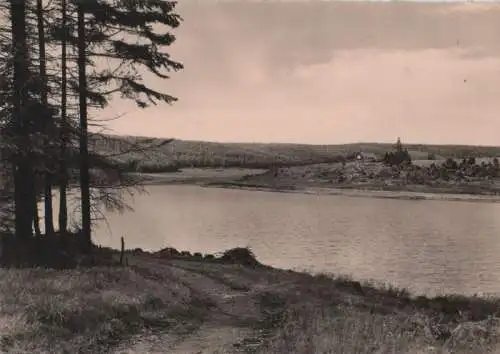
61,61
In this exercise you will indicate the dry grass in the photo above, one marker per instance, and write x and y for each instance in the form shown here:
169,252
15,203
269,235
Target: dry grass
85,310
89,310
332,315
315,329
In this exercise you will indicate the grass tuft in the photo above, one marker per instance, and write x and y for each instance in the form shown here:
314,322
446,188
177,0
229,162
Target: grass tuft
83,309
93,309
240,255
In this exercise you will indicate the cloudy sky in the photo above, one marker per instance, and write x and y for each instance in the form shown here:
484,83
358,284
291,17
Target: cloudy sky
329,72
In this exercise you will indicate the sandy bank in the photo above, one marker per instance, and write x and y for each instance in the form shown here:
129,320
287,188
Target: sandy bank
249,179
360,193
198,175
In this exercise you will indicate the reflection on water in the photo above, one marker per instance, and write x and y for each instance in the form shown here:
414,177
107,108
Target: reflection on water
427,246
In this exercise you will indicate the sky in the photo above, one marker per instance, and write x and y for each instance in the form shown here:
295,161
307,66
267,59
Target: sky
328,72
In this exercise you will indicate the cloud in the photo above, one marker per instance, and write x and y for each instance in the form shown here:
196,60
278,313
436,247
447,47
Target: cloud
330,72
315,27
470,7
430,95
225,43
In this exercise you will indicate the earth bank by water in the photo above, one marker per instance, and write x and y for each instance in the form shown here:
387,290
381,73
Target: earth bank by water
170,305
252,179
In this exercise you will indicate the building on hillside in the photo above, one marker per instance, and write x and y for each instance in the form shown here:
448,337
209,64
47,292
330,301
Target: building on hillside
366,156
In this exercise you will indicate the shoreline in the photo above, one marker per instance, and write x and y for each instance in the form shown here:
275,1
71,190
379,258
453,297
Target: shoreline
198,176
236,178
359,193
159,302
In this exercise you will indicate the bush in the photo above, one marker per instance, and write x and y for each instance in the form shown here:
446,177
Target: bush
167,252
451,164
240,255
397,158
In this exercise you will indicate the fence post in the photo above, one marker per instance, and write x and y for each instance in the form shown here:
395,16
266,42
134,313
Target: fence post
122,250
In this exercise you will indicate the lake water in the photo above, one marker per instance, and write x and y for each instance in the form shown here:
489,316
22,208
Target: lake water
427,246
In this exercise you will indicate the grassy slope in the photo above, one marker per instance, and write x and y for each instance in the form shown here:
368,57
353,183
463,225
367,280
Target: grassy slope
200,153
93,309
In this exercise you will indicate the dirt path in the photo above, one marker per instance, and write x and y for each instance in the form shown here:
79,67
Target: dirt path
230,327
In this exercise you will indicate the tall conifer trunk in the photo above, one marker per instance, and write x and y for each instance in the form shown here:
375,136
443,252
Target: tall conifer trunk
23,174
47,124
63,182
84,154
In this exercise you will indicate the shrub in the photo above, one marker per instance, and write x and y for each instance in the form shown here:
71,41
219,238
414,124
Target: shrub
240,255
451,164
167,252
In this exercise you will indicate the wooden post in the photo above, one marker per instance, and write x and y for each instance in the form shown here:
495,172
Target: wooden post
122,253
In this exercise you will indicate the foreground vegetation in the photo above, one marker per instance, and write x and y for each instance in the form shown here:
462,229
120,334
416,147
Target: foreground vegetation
172,297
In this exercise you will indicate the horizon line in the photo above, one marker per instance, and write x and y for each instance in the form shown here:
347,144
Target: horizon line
357,1
295,143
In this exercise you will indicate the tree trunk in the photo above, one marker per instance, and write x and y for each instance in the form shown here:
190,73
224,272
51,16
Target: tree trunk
63,183
36,218
47,124
84,155
23,187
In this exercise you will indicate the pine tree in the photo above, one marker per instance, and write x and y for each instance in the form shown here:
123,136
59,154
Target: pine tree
84,154
63,132
97,37
399,146
34,122
23,173
46,118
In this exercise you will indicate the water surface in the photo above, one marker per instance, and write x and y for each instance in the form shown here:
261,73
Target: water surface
427,246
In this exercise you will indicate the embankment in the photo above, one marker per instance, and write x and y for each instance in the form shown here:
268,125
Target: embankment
172,303
260,180
356,191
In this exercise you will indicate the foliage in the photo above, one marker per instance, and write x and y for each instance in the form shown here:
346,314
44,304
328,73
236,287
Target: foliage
39,134
397,157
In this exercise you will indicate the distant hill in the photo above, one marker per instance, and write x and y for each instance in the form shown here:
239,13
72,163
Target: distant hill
155,154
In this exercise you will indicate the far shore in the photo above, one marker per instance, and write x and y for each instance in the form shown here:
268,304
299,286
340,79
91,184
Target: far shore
196,175
235,178
361,193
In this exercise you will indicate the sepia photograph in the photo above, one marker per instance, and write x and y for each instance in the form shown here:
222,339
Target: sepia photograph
250,176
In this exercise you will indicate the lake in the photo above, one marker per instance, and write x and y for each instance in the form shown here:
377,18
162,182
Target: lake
430,247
